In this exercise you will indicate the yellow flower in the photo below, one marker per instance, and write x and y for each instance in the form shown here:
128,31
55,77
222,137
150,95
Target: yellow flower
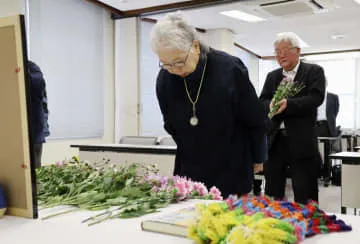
218,224
76,158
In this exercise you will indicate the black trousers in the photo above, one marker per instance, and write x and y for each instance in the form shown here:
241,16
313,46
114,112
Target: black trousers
37,154
303,172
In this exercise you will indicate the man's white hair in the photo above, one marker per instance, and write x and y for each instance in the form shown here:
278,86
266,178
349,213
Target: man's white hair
290,37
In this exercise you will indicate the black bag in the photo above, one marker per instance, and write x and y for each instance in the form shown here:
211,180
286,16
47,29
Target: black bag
336,175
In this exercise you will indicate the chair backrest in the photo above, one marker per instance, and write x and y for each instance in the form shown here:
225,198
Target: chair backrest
139,140
168,141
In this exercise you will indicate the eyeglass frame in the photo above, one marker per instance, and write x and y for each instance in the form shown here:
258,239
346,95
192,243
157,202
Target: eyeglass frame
283,51
178,64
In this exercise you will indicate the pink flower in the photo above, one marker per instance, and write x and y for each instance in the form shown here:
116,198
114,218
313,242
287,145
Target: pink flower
60,164
200,188
183,187
215,193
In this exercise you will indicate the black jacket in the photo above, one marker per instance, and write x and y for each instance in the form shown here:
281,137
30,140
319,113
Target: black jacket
38,104
230,137
332,110
300,115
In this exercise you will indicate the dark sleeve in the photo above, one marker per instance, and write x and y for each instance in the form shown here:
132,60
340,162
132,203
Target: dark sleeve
337,105
161,94
249,112
37,85
266,95
314,96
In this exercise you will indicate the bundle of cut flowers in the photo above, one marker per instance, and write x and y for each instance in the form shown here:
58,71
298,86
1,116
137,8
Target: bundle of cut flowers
308,219
286,89
120,190
218,223
261,220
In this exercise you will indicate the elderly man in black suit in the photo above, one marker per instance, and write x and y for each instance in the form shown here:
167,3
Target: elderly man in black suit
291,132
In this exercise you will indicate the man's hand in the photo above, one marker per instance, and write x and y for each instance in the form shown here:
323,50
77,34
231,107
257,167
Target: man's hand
258,167
283,105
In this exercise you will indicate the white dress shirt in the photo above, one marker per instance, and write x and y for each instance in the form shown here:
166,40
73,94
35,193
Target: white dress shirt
321,110
291,75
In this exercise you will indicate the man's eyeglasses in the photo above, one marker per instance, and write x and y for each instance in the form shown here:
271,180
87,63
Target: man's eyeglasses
279,52
178,64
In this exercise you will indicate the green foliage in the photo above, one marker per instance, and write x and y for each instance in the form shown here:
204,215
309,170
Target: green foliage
118,190
286,89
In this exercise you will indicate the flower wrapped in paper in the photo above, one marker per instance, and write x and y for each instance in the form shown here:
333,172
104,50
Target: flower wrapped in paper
286,89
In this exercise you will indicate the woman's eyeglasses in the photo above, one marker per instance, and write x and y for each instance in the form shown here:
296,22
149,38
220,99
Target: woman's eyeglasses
178,64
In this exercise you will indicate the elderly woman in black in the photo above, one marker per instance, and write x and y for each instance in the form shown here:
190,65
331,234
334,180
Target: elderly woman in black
209,107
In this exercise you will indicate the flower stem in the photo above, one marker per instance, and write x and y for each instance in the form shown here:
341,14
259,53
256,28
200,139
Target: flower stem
60,213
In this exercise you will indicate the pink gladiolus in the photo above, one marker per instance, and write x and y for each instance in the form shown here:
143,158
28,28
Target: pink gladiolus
182,187
216,194
200,188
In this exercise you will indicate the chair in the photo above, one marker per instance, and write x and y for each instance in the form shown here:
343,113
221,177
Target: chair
167,140
139,140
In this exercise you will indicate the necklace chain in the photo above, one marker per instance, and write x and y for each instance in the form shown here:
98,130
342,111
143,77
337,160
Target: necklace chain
198,92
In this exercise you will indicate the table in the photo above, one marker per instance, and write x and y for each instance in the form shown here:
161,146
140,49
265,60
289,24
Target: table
69,229
351,136
350,173
162,155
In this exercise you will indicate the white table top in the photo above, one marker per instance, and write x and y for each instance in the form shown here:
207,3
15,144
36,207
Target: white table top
67,229
355,156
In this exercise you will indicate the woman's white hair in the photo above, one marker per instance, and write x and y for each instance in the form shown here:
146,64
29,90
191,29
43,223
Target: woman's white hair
290,37
173,32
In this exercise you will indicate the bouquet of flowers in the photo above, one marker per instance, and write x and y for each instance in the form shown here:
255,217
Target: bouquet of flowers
287,88
218,223
261,220
120,190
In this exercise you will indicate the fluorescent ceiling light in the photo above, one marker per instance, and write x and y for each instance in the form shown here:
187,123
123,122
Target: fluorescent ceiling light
236,14
357,1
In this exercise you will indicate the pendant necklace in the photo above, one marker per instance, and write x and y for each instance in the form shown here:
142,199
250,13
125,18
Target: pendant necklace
194,120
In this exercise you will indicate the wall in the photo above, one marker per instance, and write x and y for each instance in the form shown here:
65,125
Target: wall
12,7
252,63
221,39
57,149
126,78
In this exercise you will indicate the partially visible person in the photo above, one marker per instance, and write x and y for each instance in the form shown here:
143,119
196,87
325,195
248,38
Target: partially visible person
322,125
326,127
292,139
209,107
332,111
326,116
39,111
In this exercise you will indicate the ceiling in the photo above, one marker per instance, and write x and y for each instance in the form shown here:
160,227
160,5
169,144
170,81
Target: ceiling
341,17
